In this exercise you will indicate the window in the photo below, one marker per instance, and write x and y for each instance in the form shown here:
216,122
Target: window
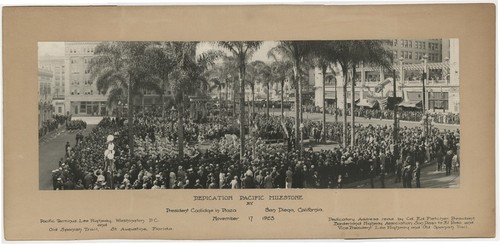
410,43
83,107
438,100
410,54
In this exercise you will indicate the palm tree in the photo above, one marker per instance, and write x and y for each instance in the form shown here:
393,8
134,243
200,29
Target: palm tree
296,52
218,84
281,71
258,73
225,72
252,79
265,75
242,51
188,75
121,70
324,53
350,54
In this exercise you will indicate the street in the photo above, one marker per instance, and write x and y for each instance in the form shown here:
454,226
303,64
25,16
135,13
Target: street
51,149
429,178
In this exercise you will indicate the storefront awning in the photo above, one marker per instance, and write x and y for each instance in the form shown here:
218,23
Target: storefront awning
411,104
369,103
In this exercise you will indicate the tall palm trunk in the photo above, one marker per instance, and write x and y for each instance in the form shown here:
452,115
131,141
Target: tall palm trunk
301,118
324,104
234,101
298,109
242,109
180,125
282,100
226,102
129,118
268,98
344,112
353,83
220,100
253,102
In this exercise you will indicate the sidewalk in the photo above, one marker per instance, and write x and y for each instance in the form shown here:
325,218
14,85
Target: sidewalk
429,178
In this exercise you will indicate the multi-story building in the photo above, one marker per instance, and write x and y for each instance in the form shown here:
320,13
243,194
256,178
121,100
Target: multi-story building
81,96
45,109
55,64
437,58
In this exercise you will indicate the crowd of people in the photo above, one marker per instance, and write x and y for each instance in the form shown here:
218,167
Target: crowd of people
405,115
52,124
154,163
77,124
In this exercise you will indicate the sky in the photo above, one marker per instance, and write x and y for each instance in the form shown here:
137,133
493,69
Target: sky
50,49
57,49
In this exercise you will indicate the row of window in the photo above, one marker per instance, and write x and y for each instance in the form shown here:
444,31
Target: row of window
407,55
433,57
87,92
433,46
76,60
82,50
86,82
416,44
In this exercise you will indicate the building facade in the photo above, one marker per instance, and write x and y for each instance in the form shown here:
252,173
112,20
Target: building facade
45,108
81,96
55,65
412,58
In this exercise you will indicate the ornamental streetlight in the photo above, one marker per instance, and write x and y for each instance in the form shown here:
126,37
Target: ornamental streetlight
424,102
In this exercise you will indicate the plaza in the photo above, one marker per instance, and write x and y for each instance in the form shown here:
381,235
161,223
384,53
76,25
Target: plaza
190,115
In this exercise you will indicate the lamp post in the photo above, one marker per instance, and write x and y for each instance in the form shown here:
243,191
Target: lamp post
336,110
424,79
402,76
424,102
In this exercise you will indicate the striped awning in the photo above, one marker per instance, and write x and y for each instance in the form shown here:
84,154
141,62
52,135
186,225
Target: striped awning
419,66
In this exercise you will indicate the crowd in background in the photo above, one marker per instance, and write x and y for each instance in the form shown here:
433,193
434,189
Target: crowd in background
405,115
52,124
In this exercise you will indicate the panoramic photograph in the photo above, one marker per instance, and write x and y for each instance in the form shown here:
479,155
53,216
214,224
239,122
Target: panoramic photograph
336,114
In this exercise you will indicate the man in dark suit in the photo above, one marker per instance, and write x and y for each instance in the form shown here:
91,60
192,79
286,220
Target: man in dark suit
416,173
447,162
407,176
